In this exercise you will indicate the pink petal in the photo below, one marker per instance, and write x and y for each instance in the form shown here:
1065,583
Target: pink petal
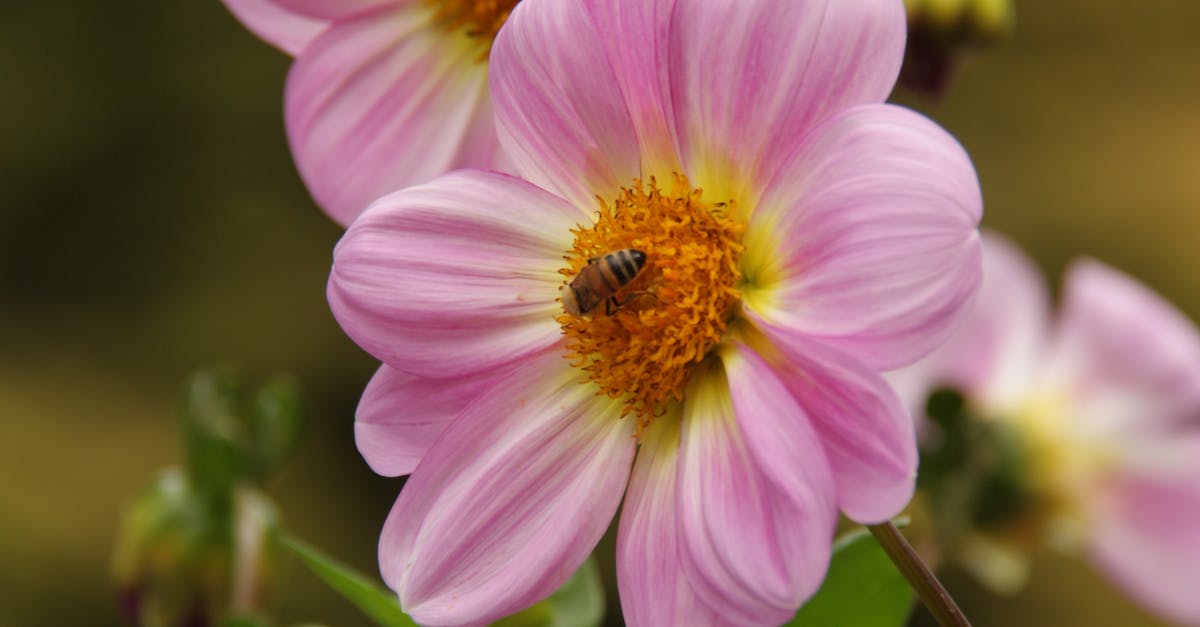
456,276
867,432
1119,342
749,78
1147,535
399,416
755,499
561,117
510,500
382,101
996,355
654,589
640,72
281,27
870,237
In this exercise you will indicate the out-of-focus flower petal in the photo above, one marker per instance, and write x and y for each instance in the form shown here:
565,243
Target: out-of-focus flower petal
999,564
749,78
456,276
277,25
385,100
510,499
1130,357
562,117
867,433
995,356
399,416
654,588
868,239
1145,532
755,506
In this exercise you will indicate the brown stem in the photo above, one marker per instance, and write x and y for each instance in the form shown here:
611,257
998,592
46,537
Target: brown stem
928,588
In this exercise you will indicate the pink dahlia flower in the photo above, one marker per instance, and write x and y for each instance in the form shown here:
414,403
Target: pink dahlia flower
1104,406
797,237
384,93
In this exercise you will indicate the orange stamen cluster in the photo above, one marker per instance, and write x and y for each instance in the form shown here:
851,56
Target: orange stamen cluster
479,19
678,307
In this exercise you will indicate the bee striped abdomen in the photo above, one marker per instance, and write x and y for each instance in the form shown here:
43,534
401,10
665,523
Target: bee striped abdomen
624,266
600,280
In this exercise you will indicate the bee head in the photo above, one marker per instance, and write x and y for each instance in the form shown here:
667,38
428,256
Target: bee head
569,301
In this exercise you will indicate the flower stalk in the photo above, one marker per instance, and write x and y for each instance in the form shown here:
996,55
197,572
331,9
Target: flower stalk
935,597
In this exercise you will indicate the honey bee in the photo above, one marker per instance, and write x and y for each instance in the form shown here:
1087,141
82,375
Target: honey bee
599,281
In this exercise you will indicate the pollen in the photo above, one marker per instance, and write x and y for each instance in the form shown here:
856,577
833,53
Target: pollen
670,317
477,19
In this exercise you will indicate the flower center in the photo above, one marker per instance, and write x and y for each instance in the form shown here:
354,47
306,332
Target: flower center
1009,481
1064,463
478,19
648,327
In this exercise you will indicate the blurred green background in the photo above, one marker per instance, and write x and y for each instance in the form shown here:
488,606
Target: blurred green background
152,222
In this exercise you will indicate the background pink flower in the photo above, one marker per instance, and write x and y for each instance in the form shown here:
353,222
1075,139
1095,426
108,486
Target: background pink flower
800,237
1105,402
384,93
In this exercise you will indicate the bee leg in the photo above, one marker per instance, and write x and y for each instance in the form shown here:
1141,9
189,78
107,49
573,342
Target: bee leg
611,304
633,295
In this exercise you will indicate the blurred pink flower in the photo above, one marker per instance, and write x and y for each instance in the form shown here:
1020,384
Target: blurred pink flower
384,93
1105,403
835,237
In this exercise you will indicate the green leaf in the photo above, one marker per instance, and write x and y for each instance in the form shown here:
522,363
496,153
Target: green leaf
578,603
862,588
374,600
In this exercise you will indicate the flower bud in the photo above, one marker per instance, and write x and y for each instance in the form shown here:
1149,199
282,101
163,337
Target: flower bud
230,438
255,556
178,562
215,434
277,423
941,33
